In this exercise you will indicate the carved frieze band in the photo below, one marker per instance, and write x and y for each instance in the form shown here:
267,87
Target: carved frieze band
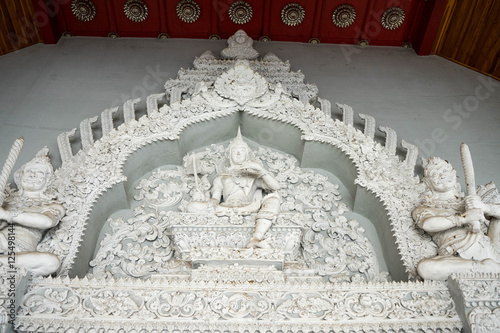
273,306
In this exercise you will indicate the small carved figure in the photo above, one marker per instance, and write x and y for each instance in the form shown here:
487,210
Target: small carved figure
239,189
240,46
455,225
26,215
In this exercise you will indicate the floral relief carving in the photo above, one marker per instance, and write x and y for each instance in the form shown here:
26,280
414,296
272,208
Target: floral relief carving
240,305
113,303
304,306
53,301
483,319
315,307
138,247
176,305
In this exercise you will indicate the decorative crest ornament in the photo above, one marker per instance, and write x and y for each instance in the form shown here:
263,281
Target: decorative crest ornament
240,12
292,14
188,11
393,18
135,10
239,47
241,84
343,16
84,10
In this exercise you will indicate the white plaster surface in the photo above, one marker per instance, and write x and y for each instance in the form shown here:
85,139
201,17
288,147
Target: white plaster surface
49,89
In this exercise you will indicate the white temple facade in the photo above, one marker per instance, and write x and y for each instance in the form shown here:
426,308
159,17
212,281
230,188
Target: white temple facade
168,229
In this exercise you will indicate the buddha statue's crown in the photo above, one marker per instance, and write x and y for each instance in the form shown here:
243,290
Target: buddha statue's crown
238,141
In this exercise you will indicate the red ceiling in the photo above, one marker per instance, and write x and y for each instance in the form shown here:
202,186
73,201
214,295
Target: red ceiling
419,26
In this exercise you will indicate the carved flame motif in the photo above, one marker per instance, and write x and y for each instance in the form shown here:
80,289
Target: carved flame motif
240,12
84,10
393,18
293,14
135,10
343,16
188,11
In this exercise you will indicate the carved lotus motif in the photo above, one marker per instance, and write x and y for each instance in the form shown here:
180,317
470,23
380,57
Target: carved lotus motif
343,16
240,12
293,14
188,11
84,10
393,18
135,10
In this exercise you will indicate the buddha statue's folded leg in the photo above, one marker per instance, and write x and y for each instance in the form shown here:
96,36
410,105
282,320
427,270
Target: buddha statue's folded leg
200,206
265,217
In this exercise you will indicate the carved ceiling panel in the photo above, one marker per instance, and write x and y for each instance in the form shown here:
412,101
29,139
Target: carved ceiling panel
302,21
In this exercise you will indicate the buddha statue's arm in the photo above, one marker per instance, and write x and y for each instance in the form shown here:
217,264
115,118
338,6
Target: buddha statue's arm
270,182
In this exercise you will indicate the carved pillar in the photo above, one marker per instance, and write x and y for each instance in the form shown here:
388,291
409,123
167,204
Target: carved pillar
326,106
369,125
347,114
129,109
175,95
411,154
152,102
64,145
391,139
107,120
86,132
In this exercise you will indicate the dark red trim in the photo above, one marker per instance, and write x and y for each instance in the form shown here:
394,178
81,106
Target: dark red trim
425,29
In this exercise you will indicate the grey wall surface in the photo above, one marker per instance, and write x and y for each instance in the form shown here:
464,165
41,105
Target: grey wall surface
429,101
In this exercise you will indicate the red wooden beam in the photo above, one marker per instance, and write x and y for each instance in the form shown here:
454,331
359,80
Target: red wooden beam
46,13
426,25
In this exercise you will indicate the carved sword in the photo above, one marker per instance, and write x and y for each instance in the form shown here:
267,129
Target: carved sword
9,165
470,181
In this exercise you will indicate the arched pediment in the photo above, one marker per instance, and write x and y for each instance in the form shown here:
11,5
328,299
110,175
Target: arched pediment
373,174
134,186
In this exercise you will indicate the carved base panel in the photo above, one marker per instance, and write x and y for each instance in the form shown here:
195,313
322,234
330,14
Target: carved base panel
235,234
181,304
478,299
222,256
